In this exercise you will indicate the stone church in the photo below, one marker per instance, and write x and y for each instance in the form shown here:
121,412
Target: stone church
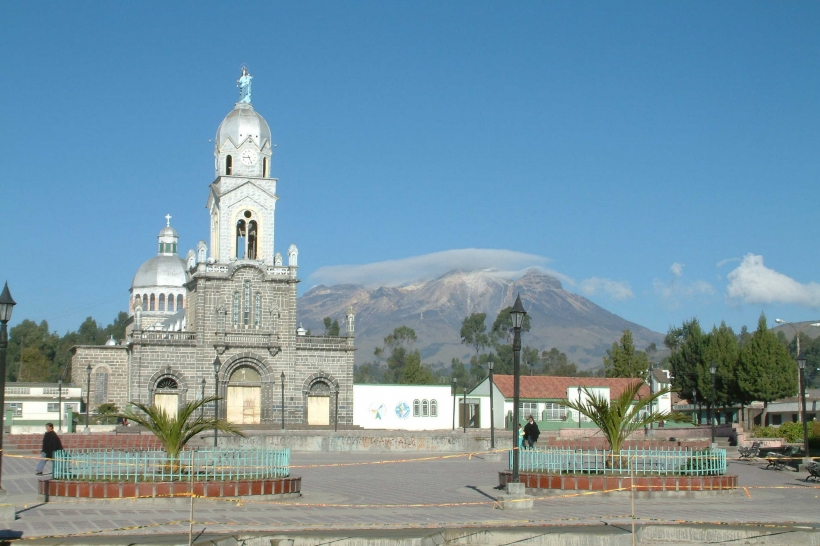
223,320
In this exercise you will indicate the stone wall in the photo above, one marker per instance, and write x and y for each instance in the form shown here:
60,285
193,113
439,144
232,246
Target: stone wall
109,373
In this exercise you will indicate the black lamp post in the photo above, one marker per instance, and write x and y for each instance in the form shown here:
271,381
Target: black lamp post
217,365
517,315
801,364
202,397
60,405
579,401
336,412
455,381
282,377
87,395
464,409
712,370
492,413
6,306
695,412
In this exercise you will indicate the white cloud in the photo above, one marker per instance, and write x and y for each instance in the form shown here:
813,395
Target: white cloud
721,263
619,290
677,289
753,282
504,263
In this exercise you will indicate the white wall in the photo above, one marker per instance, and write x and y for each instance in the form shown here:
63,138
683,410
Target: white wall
390,407
481,391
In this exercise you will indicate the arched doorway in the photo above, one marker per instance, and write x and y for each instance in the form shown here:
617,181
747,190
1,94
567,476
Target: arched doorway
244,397
318,404
166,396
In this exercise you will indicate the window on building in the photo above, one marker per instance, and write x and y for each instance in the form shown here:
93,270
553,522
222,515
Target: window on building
170,302
153,302
236,308
554,412
101,387
241,238
433,408
416,408
777,419
53,407
425,408
252,240
246,308
257,309
228,165
161,302
264,167
17,407
179,303
525,409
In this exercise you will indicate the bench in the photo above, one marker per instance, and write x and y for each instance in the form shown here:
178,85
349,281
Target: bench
749,452
779,461
814,470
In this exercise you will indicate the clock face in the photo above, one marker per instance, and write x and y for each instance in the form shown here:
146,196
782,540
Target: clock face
248,157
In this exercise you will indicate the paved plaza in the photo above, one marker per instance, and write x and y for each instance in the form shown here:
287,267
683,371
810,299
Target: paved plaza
389,491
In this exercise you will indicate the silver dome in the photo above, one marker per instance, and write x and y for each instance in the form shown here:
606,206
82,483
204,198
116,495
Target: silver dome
243,122
168,231
168,270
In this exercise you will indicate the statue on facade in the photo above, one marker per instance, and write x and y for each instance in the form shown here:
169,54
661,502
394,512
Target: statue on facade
244,85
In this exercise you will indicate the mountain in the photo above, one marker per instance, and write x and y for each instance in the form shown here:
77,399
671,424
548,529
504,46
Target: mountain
435,310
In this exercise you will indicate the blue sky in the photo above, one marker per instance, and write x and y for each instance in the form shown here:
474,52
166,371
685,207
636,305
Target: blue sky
661,158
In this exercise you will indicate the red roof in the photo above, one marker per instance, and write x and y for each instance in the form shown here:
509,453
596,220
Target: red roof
552,387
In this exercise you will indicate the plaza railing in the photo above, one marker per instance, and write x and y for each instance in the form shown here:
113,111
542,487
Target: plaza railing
220,464
656,462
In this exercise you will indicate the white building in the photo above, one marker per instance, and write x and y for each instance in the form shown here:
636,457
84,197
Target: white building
29,406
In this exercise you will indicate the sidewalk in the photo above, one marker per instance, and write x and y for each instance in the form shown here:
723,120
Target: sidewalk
441,491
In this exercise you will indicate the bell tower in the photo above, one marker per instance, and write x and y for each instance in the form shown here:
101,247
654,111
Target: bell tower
242,200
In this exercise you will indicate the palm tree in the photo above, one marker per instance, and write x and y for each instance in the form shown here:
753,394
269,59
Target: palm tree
622,416
174,432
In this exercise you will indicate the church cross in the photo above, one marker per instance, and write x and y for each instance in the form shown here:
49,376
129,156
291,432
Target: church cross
167,220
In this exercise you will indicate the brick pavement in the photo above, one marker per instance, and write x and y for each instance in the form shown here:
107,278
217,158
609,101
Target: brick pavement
435,493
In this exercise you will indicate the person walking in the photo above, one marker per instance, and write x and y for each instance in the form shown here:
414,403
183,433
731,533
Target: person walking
531,432
51,443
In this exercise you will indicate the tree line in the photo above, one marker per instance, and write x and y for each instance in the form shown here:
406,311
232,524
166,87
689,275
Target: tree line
35,354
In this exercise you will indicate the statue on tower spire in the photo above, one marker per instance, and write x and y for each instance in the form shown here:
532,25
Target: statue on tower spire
244,85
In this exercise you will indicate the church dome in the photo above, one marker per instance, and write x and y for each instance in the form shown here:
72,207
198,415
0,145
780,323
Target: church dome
242,123
168,231
160,271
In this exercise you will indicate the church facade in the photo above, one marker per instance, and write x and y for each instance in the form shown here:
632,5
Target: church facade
223,320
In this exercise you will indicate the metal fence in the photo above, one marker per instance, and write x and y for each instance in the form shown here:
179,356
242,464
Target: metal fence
663,462
154,466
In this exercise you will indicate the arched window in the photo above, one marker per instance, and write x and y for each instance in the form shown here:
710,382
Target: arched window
228,165
101,385
179,303
161,302
241,234
264,167
170,302
433,408
252,240
416,410
137,301
246,308
425,408
236,308
153,301
257,309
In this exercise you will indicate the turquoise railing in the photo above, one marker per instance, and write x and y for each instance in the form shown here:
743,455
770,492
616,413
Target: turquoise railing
220,464
664,462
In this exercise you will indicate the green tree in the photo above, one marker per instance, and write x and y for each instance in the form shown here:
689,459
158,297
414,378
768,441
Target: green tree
723,349
36,368
621,416
369,373
622,360
687,361
332,328
502,330
174,432
765,371
403,360
555,362
474,331
415,373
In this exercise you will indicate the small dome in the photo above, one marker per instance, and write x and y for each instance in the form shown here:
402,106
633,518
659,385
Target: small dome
243,122
168,231
160,271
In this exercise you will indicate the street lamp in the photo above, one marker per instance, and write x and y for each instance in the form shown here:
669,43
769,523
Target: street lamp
6,306
60,404
455,381
464,410
202,397
492,413
712,370
801,365
797,340
517,315
336,412
579,403
87,395
217,365
282,377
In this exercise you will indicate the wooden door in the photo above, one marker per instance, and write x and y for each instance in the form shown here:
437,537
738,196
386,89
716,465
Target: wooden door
243,405
318,410
169,403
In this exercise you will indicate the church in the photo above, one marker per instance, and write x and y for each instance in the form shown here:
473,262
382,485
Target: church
223,320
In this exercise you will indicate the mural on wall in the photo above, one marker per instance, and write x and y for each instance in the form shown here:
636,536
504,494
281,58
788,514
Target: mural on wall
377,411
402,410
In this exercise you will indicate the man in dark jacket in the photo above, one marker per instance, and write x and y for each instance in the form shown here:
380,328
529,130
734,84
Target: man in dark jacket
531,432
51,443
